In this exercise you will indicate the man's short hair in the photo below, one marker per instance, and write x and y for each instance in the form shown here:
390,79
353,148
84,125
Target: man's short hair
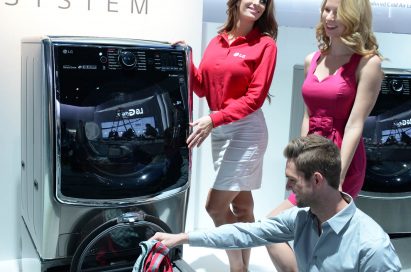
314,153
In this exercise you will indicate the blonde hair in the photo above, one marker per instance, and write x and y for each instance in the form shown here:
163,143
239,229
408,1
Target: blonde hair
356,16
266,23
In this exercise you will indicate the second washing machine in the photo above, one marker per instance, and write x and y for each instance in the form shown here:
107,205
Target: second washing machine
386,193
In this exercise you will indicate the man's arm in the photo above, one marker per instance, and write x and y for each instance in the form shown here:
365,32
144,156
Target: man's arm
238,235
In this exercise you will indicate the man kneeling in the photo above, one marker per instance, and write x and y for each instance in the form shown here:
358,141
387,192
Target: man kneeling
330,233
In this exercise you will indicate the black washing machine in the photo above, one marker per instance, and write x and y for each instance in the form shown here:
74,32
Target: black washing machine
104,158
386,193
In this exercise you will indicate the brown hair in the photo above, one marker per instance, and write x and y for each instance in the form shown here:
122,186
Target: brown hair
314,153
266,23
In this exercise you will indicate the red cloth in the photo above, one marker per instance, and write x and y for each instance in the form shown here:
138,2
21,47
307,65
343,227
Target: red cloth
153,258
157,259
235,79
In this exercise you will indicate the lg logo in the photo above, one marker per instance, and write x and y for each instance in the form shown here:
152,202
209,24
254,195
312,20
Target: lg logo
68,51
130,112
239,55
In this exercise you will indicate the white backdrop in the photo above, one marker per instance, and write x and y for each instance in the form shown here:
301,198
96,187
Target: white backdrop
144,19
391,16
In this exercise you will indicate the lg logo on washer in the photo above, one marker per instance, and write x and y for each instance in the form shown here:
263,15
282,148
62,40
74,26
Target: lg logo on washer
130,112
130,6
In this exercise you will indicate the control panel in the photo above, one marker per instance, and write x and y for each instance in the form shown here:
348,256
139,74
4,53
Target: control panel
120,58
396,84
91,74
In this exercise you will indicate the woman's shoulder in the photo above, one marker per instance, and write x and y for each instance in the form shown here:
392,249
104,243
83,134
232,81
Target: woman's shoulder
370,67
267,39
215,41
308,59
370,62
310,56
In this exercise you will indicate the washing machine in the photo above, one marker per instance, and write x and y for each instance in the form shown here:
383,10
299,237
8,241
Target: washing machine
104,163
386,193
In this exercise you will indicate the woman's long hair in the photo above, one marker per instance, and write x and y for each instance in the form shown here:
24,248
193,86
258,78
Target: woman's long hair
266,23
356,15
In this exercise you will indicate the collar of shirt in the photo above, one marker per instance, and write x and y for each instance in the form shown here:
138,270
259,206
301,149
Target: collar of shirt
253,34
341,219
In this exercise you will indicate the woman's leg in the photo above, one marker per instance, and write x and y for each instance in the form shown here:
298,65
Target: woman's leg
219,208
243,206
281,254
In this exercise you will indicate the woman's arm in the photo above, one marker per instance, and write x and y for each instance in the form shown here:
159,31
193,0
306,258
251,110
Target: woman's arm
195,74
305,122
369,75
196,79
257,91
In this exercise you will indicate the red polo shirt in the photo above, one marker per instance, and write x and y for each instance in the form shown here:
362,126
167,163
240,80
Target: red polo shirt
235,79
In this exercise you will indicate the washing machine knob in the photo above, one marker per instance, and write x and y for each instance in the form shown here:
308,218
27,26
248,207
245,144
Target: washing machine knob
396,85
127,59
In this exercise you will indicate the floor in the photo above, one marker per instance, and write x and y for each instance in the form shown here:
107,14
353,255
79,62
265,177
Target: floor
200,259
215,260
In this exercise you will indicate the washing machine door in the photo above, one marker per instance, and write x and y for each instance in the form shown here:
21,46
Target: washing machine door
114,245
120,129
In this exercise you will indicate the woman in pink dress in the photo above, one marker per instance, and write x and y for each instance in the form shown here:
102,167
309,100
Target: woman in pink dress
342,82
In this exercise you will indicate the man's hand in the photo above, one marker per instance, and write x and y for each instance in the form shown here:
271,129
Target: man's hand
169,239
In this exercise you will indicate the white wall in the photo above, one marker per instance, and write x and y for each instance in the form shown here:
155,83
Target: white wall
157,20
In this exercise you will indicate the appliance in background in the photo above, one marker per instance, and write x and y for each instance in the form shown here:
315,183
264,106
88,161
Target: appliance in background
104,159
297,102
386,194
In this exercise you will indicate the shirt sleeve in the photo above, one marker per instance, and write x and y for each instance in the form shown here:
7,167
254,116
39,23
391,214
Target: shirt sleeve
246,235
257,90
380,257
196,79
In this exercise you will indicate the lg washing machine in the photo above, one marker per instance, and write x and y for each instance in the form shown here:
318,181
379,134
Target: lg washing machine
386,193
104,163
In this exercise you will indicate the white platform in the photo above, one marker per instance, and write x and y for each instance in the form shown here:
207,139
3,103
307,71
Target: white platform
215,260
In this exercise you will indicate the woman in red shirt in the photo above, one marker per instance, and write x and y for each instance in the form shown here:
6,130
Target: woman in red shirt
234,76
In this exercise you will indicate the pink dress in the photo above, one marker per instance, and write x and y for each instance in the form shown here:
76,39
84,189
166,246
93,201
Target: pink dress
329,103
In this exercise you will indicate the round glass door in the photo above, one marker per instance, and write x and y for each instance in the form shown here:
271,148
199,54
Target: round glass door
114,245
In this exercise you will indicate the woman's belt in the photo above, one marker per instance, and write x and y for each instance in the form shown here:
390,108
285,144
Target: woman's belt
321,125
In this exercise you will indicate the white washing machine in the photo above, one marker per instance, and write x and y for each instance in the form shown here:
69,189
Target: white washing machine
104,159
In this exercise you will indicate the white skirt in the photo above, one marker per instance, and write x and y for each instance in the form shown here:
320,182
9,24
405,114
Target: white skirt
238,151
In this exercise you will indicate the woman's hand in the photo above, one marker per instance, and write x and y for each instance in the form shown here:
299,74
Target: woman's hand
204,125
180,42
170,240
